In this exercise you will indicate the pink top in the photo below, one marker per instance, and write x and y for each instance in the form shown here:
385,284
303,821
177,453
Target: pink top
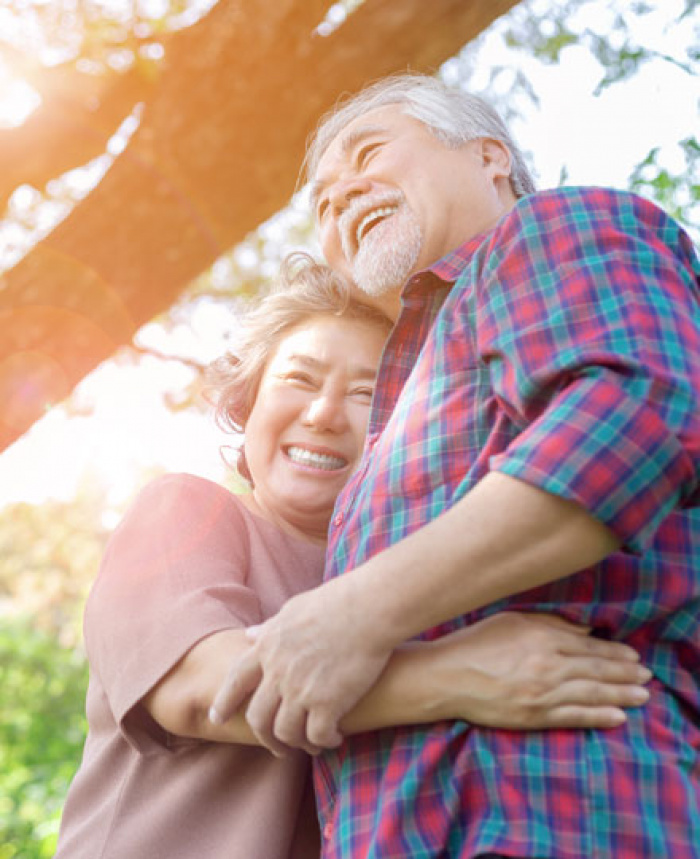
188,560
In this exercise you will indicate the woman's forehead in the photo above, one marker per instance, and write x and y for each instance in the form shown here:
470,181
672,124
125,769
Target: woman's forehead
322,341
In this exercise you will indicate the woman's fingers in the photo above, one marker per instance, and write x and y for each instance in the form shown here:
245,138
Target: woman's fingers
593,693
578,716
590,704
589,644
561,667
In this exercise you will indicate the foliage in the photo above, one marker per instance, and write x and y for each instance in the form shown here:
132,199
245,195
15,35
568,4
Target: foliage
42,729
676,190
619,40
49,554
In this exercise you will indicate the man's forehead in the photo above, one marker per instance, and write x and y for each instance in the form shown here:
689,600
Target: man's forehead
378,120
348,140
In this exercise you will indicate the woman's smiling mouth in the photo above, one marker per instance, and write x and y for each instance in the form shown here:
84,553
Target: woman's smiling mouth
314,459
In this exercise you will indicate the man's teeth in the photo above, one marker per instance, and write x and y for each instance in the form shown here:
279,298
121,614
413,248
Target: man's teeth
374,215
317,460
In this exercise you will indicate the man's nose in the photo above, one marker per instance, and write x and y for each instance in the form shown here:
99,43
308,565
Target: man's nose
344,191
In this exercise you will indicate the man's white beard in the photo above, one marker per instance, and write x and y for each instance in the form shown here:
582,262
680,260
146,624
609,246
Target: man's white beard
388,254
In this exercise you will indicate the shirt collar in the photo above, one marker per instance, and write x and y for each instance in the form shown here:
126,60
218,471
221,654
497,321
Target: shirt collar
451,266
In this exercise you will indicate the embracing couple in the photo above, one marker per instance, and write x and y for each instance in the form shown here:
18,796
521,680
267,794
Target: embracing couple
504,657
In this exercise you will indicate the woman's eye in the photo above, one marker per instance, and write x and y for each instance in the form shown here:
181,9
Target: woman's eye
363,393
298,376
321,209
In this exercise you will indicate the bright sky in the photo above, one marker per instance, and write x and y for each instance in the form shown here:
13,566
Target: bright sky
128,429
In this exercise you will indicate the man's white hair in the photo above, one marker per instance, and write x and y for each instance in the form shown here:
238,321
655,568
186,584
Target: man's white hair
454,117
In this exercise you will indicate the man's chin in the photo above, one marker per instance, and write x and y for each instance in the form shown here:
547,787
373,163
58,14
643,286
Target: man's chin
379,278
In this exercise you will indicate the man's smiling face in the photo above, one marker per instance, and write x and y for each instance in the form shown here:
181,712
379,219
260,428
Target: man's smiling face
390,198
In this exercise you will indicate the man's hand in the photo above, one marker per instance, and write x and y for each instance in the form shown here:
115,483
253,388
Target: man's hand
308,666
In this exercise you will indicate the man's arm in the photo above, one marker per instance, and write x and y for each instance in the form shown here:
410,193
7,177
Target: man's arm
504,537
604,378
327,647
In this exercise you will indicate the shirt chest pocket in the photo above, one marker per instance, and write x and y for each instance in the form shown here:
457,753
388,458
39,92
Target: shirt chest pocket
435,434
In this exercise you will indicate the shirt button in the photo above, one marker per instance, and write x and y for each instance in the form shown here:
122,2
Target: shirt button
328,830
338,519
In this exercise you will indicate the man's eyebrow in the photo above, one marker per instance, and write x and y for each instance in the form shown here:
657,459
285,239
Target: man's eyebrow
347,144
316,187
352,138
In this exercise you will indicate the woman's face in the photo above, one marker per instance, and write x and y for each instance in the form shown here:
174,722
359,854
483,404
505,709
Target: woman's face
307,427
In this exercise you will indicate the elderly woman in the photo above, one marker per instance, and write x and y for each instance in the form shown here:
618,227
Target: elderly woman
191,566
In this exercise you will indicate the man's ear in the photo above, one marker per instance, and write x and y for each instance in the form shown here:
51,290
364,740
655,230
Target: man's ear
496,158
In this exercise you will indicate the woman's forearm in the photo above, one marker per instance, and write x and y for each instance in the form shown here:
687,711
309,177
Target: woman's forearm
517,671
180,701
510,670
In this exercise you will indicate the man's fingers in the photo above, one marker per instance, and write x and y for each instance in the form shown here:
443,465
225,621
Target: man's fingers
260,715
290,727
242,679
322,728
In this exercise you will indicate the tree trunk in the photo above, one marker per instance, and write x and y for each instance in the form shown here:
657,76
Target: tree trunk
217,152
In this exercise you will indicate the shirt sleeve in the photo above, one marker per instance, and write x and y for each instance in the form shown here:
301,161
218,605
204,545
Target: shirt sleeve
174,571
590,324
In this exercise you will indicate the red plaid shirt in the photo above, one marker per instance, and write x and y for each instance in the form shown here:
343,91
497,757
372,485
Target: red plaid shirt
562,348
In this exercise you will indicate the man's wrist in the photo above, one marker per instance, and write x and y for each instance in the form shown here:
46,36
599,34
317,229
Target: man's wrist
367,604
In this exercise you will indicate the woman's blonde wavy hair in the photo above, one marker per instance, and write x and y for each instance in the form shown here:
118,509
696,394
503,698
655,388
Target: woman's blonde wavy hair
304,289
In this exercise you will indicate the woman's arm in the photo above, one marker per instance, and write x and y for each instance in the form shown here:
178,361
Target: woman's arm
511,670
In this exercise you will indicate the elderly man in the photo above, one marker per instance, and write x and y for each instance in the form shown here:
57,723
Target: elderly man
535,445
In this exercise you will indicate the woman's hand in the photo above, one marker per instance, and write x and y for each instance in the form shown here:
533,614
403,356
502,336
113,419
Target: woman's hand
529,671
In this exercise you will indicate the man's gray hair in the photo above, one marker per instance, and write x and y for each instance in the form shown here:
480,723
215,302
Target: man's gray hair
454,117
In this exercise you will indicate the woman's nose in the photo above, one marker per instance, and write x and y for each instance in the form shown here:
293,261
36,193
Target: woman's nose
326,412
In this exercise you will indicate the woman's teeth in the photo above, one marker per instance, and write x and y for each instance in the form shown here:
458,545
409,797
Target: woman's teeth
317,460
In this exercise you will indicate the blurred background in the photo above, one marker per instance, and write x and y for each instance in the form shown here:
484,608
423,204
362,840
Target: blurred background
597,92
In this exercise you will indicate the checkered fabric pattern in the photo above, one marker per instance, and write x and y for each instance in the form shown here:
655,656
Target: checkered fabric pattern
562,348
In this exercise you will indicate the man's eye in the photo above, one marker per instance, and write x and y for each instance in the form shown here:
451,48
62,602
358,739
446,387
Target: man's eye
321,208
366,152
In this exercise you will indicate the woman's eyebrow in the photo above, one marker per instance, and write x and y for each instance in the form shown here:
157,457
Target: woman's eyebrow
358,371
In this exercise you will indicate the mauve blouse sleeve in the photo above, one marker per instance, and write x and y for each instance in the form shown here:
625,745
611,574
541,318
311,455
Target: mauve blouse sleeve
174,571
